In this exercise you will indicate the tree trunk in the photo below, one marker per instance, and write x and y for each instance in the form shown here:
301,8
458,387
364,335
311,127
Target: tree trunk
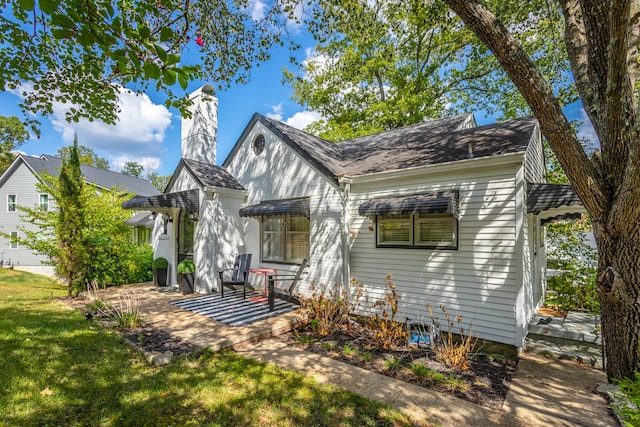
617,283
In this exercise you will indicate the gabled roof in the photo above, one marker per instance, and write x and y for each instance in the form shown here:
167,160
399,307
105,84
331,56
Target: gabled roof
101,177
433,142
211,175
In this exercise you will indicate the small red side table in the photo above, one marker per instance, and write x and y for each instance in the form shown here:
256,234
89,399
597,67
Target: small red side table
265,272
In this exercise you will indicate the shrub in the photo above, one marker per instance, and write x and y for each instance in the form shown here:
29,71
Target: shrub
453,350
160,262
631,388
385,331
574,288
186,267
326,309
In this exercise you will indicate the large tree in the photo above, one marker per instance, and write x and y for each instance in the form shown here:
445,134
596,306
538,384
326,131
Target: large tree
86,156
82,53
12,135
383,64
601,39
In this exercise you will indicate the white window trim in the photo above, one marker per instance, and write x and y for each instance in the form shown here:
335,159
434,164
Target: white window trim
15,203
40,201
12,244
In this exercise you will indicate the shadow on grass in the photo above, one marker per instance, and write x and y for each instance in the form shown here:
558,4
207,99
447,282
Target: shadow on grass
59,369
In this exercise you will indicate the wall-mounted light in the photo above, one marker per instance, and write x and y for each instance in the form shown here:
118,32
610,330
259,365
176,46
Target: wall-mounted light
193,216
167,218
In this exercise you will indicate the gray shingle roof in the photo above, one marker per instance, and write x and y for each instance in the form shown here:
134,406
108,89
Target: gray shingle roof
542,197
211,175
433,142
189,200
100,177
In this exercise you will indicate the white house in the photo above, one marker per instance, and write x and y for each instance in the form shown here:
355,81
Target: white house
18,187
452,210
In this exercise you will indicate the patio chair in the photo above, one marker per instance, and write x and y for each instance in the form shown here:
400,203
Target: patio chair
239,275
287,294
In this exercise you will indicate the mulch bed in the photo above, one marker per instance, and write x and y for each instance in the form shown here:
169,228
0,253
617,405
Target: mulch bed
156,340
486,381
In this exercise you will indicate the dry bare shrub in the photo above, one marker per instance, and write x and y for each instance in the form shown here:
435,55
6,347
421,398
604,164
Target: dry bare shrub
383,330
454,350
326,308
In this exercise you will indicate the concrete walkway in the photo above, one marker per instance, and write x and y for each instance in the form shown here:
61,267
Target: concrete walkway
544,392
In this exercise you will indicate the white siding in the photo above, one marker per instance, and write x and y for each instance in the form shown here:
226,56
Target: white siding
479,280
534,159
280,173
21,182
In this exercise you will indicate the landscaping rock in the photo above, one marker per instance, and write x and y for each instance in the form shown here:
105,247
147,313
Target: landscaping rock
160,359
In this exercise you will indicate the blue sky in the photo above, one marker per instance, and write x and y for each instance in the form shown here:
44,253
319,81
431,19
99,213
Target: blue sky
149,134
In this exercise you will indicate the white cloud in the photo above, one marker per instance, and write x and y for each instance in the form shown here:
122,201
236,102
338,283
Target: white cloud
302,119
276,112
150,164
257,9
138,134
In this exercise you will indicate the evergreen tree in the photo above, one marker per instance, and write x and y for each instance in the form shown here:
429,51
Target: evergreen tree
70,222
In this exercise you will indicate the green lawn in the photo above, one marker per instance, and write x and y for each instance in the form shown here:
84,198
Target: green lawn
56,368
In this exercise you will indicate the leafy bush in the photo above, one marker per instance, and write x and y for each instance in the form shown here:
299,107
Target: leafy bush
186,267
160,262
631,388
574,288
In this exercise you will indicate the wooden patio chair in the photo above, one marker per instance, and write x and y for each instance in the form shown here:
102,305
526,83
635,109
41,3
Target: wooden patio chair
287,294
239,275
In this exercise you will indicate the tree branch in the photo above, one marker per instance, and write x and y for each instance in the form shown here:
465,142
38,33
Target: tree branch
554,125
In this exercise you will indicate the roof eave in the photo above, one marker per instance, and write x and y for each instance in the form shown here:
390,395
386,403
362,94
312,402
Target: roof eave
447,167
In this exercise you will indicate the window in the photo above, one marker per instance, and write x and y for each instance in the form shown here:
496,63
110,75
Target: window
11,202
258,144
432,231
14,240
44,202
285,238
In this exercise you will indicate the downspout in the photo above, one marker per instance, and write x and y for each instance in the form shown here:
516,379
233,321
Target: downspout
345,184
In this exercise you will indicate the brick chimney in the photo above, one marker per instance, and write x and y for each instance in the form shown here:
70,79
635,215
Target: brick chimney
200,132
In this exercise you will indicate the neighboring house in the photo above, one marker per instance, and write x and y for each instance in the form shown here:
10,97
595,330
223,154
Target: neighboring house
18,187
453,211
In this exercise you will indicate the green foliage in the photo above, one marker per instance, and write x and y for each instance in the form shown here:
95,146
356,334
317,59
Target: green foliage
133,169
71,246
86,156
83,54
12,135
160,262
631,388
159,181
568,253
186,266
381,64
59,369
86,238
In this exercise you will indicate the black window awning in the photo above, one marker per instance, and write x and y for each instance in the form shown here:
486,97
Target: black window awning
293,207
146,220
425,203
188,200
553,201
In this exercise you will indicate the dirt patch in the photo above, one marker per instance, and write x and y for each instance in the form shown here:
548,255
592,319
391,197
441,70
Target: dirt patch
486,381
548,311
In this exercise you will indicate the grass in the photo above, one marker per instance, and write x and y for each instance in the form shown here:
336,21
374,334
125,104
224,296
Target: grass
60,369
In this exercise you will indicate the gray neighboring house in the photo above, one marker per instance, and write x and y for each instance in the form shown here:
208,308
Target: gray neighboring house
18,188
455,212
